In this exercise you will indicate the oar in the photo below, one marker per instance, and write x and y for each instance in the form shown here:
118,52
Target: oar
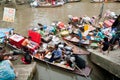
81,71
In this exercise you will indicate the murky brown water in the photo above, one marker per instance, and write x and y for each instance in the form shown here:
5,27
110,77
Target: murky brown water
27,17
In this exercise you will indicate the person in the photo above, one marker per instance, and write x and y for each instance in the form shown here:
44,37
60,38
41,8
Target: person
114,40
104,46
25,43
7,70
76,60
80,62
93,21
27,58
70,27
56,54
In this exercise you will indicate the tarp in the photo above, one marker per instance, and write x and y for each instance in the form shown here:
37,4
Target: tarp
4,32
2,35
35,36
6,29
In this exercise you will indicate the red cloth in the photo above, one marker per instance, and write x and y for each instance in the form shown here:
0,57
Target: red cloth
75,19
61,25
36,37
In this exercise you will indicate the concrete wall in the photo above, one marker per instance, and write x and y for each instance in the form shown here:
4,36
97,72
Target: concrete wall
106,62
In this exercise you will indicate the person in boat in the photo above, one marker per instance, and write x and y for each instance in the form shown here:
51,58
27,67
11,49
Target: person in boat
75,21
115,40
81,21
76,61
79,61
7,70
56,54
104,45
27,58
82,33
25,43
41,31
70,27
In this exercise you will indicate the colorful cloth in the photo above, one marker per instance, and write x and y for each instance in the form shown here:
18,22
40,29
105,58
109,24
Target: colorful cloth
100,36
6,71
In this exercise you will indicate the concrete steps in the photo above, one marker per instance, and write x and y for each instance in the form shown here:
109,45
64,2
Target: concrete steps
25,71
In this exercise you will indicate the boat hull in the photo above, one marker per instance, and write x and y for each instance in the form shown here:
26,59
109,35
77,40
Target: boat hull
85,73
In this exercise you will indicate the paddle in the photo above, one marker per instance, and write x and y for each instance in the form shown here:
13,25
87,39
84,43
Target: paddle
81,71
72,61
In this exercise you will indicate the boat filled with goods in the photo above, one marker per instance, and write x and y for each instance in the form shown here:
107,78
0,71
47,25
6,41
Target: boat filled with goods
62,45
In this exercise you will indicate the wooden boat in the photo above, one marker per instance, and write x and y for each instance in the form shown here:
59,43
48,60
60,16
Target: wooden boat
100,1
72,1
85,72
117,0
77,50
74,39
15,41
97,1
42,5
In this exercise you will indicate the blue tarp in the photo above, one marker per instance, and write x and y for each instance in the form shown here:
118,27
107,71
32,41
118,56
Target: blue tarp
3,32
2,35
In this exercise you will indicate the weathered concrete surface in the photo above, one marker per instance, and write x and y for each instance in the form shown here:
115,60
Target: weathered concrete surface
109,62
25,71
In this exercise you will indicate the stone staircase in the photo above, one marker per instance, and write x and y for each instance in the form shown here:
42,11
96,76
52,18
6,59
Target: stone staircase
25,71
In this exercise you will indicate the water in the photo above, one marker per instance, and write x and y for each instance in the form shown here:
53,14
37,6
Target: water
47,72
27,17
